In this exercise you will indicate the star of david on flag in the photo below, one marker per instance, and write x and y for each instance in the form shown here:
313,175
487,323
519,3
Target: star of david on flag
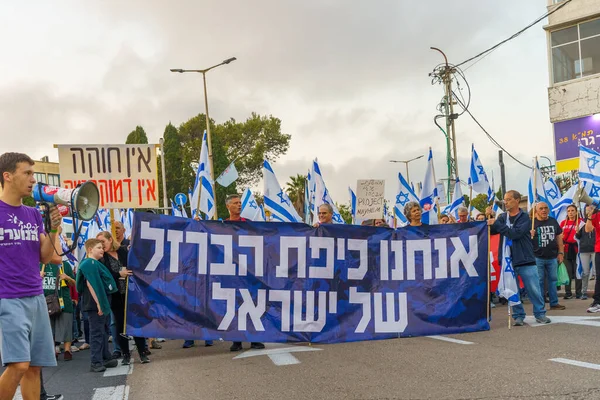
589,170
250,209
276,200
507,284
478,180
405,195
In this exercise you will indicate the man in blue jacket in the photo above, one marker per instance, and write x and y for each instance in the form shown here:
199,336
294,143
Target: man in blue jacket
517,230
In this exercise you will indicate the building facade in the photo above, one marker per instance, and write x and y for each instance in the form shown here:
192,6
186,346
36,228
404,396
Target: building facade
573,39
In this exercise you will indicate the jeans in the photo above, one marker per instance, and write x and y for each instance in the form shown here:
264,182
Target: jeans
571,266
115,334
588,261
597,285
119,319
531,280
76,313
86,327
99,337
548,268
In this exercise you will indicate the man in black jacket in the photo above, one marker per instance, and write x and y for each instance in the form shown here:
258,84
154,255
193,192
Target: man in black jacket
517,231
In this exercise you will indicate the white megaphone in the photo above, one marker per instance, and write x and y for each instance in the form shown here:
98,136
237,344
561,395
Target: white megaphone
581,196
83,200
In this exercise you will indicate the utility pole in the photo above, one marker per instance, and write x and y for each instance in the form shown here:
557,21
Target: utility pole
445,75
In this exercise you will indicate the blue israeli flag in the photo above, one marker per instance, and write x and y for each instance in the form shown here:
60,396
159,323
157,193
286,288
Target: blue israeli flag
175,211
457,200
277,202
478,180
322,195
307,215
537,192
203,194
352,204
405,194
429,194
589,165
250,208
507,284
559,209
552,192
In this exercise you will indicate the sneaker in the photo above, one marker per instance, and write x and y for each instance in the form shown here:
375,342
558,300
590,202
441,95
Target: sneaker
111,363
518,322
52,397
568,296
74,349
257,345
542,320
155,345
116,355
147,352
492,305
84,346
208,343
144,359
57,350
577,296
188,343
594,308
236,346
97,368
126,359
557,307
68,356
584,297
161,340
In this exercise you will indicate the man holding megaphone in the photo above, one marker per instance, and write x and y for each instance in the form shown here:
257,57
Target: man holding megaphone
27,343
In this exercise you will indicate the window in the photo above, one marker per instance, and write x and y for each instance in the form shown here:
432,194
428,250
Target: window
40,177
576,51
54,179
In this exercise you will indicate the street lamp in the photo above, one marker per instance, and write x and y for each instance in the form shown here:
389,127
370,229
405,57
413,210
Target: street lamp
406,163
209,142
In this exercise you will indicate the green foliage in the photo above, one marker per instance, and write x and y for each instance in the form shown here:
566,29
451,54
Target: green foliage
248,143
295,189
29,201
173,161
480,202
345,212
499,195
467,202
137,136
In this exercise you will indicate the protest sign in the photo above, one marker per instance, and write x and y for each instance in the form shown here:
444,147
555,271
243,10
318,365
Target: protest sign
126,174
369,198
290,282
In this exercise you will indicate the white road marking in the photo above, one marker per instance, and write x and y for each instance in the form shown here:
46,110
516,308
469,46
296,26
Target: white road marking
279,356
565,319
451,340
119,370
576,363
111,393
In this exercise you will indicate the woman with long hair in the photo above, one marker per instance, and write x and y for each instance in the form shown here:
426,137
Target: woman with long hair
120,273
570,226
587,241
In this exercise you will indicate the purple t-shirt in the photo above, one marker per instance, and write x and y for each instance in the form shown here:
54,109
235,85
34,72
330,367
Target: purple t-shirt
20,230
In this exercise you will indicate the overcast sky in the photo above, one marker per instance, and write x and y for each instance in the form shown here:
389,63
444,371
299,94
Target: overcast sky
348,79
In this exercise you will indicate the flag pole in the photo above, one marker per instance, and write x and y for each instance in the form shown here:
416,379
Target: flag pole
437,198
489,275
534,193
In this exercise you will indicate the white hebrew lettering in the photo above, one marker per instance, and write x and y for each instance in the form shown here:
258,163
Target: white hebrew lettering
285,244
364,299
319,271
283,297
201,239
175,237
228,295
257,243
255,311
158,235
460,254
227,267
362,247
391,324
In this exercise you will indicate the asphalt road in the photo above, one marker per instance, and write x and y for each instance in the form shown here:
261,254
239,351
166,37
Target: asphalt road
496,364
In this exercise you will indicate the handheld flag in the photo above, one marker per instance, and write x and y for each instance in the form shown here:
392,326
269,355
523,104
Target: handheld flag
250,208
276,200
457,200
405,194
552,192
352,204
589,165
204,194
429,194
478,180
322,195
507,284
228,176
537,193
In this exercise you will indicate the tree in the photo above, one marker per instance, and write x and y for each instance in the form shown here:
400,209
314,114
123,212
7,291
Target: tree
173,162
345,212
295,189
248,143
137,136
480,202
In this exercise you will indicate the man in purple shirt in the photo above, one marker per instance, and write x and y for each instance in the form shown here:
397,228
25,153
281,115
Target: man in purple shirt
27,343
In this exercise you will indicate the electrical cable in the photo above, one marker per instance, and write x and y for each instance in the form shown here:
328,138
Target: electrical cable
515,35
490,137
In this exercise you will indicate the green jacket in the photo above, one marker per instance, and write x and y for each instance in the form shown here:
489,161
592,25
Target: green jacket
99,278
51,273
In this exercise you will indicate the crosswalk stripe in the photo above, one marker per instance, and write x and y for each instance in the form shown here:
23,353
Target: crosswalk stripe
451,340
111,393
119,370
576,363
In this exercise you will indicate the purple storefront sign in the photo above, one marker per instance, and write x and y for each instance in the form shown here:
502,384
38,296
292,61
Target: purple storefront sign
568,135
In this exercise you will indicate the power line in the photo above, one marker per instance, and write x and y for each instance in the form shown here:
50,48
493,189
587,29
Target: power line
490,137
515,35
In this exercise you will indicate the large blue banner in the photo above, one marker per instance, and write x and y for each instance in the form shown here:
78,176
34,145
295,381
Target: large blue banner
287,282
